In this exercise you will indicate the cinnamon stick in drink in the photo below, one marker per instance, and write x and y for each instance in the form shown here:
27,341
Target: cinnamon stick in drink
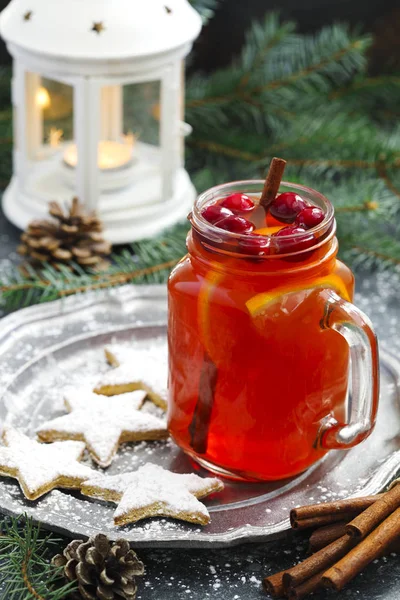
372,547
272,182
349,505
362,525
200,425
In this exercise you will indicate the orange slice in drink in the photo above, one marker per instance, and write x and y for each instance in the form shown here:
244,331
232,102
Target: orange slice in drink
221,317
268,230
285,300
207,290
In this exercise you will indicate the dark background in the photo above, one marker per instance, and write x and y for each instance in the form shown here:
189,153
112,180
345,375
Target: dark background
223,36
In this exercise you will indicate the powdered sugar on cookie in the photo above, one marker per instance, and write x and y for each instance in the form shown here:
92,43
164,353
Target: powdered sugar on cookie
40,468
103,423
135,369
152,491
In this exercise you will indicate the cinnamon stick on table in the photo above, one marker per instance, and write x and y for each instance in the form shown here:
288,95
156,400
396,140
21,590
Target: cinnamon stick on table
272,182
326,535
338,558
273,585
372,516
314,522
308,587
337,507
316,563
366,551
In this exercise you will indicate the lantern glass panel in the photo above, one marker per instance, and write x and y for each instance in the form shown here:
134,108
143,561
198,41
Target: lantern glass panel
58,115
49,106
141,104
48,132
129,140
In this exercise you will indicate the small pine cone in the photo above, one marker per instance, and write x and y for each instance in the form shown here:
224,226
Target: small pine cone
72,236
103,570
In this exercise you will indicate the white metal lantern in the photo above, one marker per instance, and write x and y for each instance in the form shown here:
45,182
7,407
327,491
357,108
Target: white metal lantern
98,97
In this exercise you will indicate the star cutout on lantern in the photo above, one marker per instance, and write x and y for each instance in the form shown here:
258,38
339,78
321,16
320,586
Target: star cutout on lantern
104,423
28,15
152,491
40,468
55,136
129,139
98,27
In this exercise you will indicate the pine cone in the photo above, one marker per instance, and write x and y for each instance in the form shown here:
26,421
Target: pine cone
103,570
71,236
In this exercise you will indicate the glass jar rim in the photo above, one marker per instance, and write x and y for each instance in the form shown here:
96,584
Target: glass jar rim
215,233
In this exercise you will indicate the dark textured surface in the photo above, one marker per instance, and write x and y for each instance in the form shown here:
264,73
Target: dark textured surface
236,573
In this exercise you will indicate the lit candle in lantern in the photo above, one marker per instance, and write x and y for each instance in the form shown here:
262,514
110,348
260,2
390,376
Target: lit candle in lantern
43,98
111,154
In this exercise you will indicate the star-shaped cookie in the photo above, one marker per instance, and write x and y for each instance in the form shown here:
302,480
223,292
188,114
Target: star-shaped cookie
104,423
40,468
135,370
151,491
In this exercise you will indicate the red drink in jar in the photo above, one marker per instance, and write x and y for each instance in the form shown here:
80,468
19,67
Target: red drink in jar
261,327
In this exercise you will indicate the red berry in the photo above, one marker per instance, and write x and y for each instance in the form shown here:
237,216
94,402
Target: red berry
238,203
256,245
309,217
289,230
287,206
235,224
215,212
291,241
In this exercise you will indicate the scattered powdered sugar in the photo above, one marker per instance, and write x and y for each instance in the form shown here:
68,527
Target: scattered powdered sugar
151,484
148,366
40,465
101,420
36,397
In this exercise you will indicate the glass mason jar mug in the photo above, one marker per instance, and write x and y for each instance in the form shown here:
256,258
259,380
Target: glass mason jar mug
259,347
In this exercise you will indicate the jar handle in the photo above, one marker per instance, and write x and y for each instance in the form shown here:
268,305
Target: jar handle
356,328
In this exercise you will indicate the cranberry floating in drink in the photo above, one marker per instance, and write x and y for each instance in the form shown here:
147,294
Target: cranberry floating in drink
310,217
238,203
287,206
255,245
293,238
215,212
261,328
235,224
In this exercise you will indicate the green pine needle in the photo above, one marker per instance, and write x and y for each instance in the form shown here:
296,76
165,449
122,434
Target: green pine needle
26,572
149,261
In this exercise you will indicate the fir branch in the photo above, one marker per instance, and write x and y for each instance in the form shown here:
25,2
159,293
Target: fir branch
365,207
145,262
316,62
260,41
320,66
379,84
26,571
383,173
218,148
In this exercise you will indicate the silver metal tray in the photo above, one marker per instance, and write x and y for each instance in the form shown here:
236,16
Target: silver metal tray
46,347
